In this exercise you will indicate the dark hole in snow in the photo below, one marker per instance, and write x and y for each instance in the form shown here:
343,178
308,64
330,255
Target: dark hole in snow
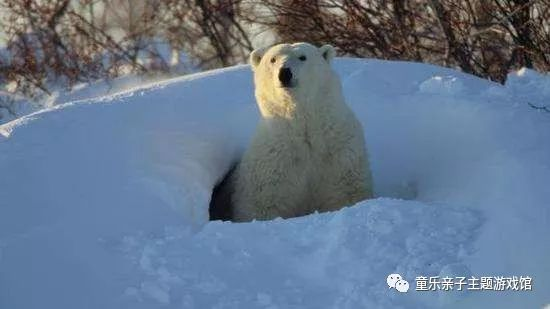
220,207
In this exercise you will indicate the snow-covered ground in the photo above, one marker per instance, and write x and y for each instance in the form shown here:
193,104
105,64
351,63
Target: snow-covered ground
103,202
59,95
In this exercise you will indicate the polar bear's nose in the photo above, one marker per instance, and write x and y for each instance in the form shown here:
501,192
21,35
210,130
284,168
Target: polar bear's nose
285,76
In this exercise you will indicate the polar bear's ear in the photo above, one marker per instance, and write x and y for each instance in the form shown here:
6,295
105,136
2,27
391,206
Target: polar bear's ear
256,56
328,52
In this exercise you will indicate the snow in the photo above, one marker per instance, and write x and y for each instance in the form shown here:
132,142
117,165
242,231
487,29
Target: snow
103,202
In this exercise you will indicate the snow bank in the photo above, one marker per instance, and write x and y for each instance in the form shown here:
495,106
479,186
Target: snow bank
103,202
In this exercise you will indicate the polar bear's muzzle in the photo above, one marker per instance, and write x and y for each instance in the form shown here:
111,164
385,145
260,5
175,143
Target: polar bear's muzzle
285,77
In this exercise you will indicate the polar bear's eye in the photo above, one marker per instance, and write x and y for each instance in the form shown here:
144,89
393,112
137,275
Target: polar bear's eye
273,60
302,58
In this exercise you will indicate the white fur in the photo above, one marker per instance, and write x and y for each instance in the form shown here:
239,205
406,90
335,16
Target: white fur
309,152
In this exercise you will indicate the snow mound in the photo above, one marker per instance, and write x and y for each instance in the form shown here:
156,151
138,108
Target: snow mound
103,202
320,261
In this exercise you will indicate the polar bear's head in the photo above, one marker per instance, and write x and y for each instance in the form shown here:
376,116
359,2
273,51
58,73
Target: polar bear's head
290,74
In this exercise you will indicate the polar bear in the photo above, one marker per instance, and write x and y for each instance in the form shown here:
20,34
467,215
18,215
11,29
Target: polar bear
308,153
